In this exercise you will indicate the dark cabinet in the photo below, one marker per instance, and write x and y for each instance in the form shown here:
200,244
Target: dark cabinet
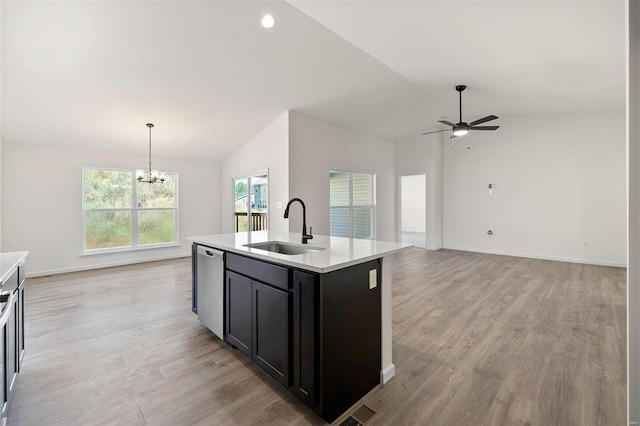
11,334
271,330
305,336
194,278
239,307
317,334
3,371
20,323
12,347
257,323
350,346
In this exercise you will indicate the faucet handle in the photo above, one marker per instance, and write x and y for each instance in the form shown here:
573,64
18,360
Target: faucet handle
308,236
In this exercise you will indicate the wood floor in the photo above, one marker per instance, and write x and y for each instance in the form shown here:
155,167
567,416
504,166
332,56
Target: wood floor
478,340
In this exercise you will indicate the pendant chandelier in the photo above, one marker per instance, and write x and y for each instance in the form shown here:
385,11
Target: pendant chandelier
152,176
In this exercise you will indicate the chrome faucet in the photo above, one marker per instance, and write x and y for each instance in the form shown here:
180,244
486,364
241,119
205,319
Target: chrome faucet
305,237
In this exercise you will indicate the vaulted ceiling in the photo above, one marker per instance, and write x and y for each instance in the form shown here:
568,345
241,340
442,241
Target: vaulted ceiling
91,74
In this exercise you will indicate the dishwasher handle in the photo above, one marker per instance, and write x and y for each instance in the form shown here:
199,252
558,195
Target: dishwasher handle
8,309
209,252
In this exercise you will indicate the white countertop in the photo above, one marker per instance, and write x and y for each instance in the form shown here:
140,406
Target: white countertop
9,261
339,252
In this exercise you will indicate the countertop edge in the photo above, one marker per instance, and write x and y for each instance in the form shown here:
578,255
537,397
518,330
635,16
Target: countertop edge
257,254
16,258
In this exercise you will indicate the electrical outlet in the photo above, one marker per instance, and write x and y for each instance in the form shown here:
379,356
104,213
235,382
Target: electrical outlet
373,279
586,243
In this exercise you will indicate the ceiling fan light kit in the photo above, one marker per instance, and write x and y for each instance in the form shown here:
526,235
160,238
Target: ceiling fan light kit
459,131
461,128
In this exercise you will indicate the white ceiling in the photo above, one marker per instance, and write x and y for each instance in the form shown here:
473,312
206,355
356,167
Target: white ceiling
91,74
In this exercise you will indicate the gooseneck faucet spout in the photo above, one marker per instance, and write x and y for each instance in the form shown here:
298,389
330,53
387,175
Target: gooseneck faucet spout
305,236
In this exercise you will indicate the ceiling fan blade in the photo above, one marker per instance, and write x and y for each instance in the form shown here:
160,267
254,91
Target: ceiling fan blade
448,123
483,128
483,120
436,131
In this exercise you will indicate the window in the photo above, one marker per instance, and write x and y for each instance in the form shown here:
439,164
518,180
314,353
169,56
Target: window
351,200
120,213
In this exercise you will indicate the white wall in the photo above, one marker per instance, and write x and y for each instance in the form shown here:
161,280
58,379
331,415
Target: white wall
42,205
269,149
0,128
315,148
633,170
413,203
559,188
422,154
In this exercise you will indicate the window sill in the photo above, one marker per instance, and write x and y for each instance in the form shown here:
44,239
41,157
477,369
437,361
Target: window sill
127,249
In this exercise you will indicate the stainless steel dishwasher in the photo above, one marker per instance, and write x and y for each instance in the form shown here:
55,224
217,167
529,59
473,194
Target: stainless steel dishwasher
211,289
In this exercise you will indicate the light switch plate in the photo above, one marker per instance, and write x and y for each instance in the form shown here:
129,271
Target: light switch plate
373,279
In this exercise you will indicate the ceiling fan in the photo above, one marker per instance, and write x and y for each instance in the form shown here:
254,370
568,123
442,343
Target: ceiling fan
461,128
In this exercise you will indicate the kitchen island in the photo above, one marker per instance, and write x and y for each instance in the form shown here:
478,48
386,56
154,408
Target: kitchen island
12,273
315,316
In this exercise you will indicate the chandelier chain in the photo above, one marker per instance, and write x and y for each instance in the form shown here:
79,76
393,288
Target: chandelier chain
149,125
153,175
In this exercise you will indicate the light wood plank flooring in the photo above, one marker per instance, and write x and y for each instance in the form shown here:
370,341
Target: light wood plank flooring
478,340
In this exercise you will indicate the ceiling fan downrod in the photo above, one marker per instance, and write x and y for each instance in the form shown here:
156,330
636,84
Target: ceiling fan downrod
460,88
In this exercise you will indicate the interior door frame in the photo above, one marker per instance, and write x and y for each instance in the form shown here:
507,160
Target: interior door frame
426,205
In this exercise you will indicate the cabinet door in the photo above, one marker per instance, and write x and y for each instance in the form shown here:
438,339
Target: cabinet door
3,369
271,343
10,350
239,328
11,346
194,278
304,337
20,325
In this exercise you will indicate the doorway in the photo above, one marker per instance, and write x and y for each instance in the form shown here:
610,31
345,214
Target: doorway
413,210
251,203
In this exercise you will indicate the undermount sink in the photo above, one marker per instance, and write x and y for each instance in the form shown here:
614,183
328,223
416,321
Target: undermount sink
284,248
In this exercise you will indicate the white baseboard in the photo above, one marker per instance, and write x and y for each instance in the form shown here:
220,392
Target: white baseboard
35,274
542,257
387,373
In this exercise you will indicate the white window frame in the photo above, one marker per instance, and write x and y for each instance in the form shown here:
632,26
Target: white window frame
134,209
353,207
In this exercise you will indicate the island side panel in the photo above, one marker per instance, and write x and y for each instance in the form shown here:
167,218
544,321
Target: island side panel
350,336
388,370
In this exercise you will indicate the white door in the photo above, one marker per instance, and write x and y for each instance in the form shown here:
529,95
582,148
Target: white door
413,210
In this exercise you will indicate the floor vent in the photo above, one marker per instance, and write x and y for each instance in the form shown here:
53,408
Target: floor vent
359,417
350,421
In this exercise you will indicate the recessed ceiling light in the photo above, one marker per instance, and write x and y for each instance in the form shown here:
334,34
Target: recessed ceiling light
268,21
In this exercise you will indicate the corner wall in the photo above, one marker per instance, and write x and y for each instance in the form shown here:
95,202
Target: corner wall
315,148
422,154
559,188
267,150
0,126
42,205
633,218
